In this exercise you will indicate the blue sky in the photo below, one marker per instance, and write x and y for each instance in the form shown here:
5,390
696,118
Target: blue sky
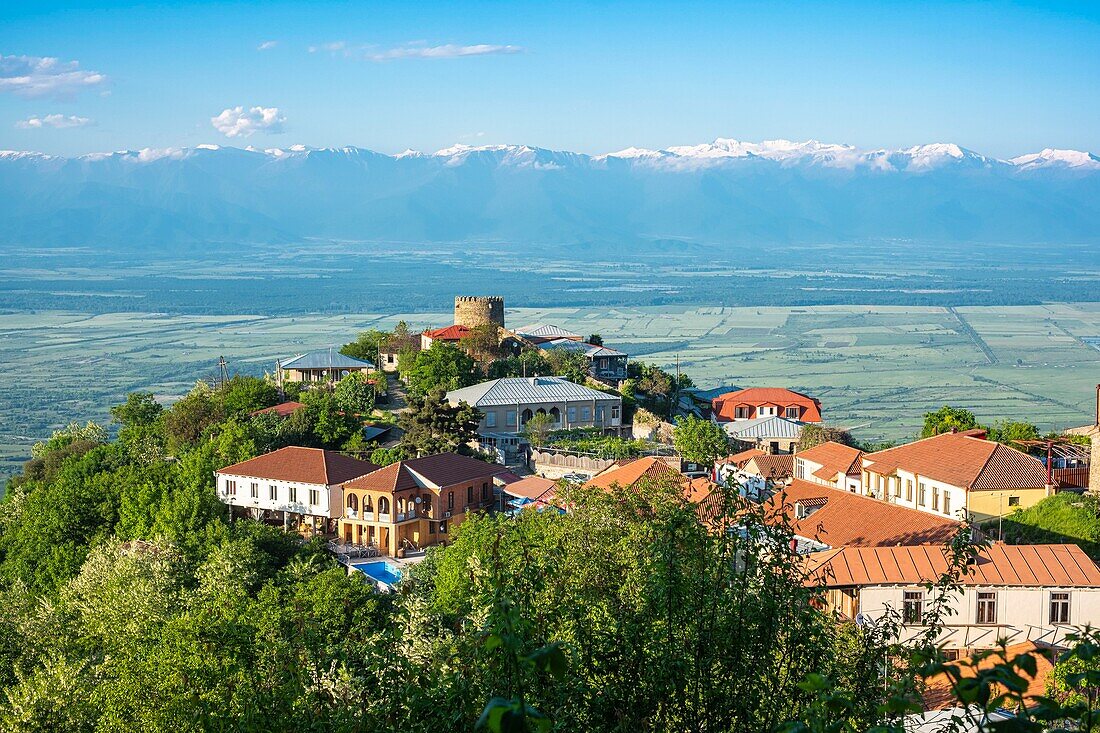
1001,78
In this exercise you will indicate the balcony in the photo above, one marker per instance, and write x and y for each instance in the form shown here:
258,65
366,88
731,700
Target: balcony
400,516
384,518
350,513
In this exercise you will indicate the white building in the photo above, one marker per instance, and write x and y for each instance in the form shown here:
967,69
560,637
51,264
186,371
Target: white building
301,487
1017,593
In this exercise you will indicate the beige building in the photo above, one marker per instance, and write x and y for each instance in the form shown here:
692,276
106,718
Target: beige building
956,473
1017,593
831,464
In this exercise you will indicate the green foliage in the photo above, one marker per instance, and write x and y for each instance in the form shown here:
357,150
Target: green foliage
186,421
537,429
366,346
529,363
89,433
1010,431
816,434
568,363
592,440
386,456
433,425
700,441
247,394
443,366
1061,518
946,419
140,409
354,394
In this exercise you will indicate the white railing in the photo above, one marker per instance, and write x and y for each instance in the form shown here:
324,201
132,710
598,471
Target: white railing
352,513
400,516
384,518
368,516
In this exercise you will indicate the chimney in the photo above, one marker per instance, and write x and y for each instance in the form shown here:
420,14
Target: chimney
1094,456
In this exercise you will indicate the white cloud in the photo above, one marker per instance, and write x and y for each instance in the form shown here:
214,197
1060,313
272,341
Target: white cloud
58,122
238,122
446,51
267,45
331,47
45,76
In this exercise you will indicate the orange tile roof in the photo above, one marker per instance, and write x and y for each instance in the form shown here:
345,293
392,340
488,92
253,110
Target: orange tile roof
723,406
1005,565
448,333
283,409
938,696
834,458
535,488
850,519
441,469
962,460
772,466
627,475
304,465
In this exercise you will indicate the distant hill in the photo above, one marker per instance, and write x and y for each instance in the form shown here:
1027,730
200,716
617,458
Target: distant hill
725,193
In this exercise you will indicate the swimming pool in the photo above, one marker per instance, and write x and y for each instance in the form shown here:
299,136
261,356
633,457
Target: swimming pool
380,570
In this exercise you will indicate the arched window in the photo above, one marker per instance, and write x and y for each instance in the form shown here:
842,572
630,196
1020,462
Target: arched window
367,503
401,505
556,414
383,505
353,502
541,411
527,415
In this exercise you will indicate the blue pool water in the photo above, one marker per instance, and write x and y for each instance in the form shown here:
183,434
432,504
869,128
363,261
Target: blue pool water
380,570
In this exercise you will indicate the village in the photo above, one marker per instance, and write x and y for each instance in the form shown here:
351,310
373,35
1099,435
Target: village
525,413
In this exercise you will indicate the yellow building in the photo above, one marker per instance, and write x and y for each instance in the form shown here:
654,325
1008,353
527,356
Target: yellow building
956,474
413,504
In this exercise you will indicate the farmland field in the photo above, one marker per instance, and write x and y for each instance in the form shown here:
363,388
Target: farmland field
876,369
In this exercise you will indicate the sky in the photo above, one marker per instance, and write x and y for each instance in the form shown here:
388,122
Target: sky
1001,78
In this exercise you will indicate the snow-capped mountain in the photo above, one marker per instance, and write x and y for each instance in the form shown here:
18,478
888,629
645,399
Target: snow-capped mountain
727,191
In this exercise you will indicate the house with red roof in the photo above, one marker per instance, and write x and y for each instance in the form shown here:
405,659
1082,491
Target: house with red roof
759,402
831,464
1018,593
956,473
299,487
447,334
414,503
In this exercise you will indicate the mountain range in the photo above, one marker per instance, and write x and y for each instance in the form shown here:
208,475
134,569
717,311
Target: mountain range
726,193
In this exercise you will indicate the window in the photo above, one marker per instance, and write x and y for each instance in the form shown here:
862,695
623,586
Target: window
1059,608
314,497
510,417
571,414
951,655
450,500
231,488
792,412
799,469
491,419
469,494
909,489
431,527
742,413
947,502
614,412
273,492
922,494
765,411
586,413
485,492
913,607
442,528
599,414
935,498
1014,501
293,494
987,608
254,490
897,487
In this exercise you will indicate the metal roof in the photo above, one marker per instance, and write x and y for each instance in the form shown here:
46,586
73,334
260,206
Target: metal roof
546,331
327,359
590,350
706,395
764,427
527,390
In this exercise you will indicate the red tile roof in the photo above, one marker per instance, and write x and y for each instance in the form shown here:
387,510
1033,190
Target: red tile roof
1005,565
304,465
834,458
844,518
938,695
772,466
626,475
740,459
723,406
448,333
441,470
535,488
962,460
283,409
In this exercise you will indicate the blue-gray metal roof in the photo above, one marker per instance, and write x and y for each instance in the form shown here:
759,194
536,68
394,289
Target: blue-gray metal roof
590,350
527,390
706,395
764,427
327,359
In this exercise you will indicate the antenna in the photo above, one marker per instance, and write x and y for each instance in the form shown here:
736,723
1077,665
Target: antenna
223,372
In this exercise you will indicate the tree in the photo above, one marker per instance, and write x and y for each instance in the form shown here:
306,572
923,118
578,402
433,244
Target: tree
139,409
185,422
443,366
366,346
528,363
946,419
700,441
568,363
1010,431
483,342
816,434
386,456
247,394
538,428
595,339
433,425
354,394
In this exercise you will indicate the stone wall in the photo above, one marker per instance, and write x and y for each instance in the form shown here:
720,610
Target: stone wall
472,311
556,465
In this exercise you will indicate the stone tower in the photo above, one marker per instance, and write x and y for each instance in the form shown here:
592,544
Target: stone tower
473,310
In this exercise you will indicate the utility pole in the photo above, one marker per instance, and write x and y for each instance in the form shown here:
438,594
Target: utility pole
223,372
